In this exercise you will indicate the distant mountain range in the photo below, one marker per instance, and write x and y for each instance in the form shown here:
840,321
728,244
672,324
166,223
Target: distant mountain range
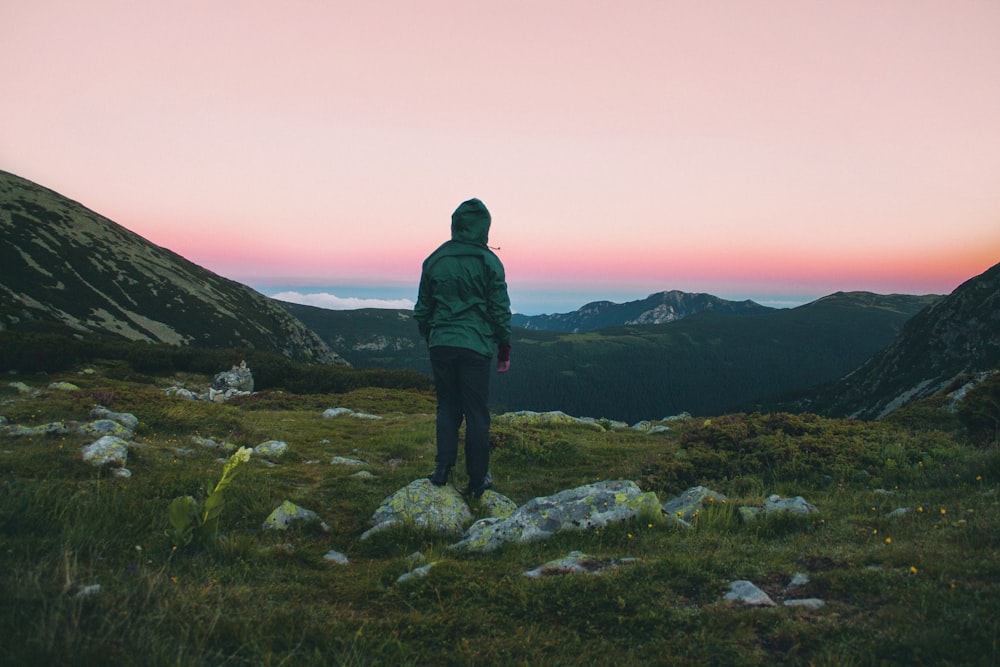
66,269
659,308
706,362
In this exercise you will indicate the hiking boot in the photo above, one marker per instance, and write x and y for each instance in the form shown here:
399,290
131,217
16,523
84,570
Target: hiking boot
440,475
477,490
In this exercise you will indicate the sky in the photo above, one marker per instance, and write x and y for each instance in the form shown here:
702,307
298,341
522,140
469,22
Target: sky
775,150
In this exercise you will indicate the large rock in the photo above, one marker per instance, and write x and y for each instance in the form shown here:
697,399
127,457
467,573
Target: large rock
126,419
271,449
586,507
689,504
105,427
288,513
108,450
440,509
775,504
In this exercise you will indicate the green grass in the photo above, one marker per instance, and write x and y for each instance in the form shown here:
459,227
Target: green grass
918,589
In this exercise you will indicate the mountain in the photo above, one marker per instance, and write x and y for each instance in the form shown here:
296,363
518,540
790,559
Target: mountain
66,268
368,337
945,344
658,308
703,364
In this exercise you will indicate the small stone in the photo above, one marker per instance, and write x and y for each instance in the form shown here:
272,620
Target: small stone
747,593
336,557
807,603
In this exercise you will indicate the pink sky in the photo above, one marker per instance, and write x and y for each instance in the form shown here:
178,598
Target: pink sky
774,150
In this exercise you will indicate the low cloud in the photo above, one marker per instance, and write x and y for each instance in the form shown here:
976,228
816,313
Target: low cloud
334,302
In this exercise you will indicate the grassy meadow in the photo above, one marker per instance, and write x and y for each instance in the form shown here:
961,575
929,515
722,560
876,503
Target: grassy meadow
917,588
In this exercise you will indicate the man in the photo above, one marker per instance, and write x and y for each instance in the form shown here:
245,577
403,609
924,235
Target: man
463,312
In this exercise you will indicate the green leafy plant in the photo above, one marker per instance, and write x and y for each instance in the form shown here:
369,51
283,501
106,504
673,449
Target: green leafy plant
190,519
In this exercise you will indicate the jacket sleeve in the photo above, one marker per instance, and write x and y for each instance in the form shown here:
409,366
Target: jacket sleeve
499,305
423,310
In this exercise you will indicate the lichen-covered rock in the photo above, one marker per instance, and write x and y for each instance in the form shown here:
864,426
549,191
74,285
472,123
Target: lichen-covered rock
63,386
272,449
108,450
288,513
577,562
496,505
181,392
105,427
52,428
126,419
796,505
584,508
343,461
775,504
686,506
530,418
421,504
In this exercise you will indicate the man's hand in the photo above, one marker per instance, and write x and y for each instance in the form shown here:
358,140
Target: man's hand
503,358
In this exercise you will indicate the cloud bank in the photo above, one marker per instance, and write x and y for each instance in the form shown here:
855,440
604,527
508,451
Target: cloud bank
334,302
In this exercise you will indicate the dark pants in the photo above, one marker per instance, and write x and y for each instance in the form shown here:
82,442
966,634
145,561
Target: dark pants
462,382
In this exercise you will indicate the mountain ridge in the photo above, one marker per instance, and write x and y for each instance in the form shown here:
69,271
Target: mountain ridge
67,267
955,338
657,308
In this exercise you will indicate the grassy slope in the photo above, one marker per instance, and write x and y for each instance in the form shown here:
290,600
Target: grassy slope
921,589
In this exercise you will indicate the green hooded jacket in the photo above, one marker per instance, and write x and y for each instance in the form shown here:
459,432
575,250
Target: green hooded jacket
462,300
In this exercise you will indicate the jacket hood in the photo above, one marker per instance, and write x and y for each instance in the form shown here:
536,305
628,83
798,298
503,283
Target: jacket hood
470,223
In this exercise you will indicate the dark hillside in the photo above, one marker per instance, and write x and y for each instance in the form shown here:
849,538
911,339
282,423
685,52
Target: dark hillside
64,268
703,364
955,338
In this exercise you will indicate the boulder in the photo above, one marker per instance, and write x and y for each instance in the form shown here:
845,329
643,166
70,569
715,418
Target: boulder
288,513
775,504
108,450
52,428
63,386
440,509
586,507
686,506
749,594
126,419
272,449
105,427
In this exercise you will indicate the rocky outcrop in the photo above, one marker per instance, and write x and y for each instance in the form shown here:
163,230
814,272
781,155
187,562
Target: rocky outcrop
587,507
